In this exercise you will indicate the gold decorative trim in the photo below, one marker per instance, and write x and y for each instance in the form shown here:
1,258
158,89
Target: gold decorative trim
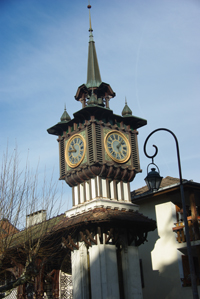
123,160
73,165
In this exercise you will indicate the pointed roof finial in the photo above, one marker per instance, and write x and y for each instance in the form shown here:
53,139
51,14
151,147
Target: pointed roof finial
90,23
126,111
93,72
65,116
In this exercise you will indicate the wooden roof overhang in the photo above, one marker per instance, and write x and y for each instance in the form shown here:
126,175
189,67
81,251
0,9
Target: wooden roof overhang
62,228
104,88
119,218
99,113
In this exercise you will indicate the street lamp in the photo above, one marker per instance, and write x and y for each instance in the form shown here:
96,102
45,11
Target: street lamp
153,178
189,248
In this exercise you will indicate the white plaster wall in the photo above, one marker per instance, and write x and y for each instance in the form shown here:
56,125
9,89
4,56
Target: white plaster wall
163,253
160,257
81,193
119,191
98,180
126,193
94,195
112,190
131,273
87,189
76,195
80,272
104,272
104,189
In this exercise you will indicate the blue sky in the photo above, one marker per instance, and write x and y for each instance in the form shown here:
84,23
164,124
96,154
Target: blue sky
148,51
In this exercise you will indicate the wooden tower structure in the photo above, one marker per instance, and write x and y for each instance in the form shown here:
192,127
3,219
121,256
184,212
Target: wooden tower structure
99,158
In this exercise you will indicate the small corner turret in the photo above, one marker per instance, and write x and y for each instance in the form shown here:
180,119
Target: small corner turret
126,111
65,116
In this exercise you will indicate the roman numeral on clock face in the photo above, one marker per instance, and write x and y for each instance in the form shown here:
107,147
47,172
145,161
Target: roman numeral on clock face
75,150
117,146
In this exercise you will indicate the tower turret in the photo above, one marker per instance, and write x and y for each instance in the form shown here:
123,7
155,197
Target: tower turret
94,86
126,111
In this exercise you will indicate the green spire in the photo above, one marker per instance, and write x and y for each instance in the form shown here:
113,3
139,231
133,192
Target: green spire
93,72
65,116
126,111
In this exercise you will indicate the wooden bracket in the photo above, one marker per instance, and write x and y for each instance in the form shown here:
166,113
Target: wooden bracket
72,242
110,235
66,244
84,239
90,237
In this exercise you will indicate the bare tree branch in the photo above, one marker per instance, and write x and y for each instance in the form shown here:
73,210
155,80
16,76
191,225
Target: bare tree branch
22,193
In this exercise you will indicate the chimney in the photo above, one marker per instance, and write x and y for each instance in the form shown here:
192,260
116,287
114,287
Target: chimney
35,218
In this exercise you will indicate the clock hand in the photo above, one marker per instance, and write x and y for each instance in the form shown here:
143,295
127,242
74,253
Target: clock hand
119,143
73,150
120,153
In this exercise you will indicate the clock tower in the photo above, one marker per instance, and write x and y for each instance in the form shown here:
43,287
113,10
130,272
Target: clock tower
98,149
99,158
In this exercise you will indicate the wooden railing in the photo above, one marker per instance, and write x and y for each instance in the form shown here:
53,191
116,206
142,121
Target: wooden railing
180,230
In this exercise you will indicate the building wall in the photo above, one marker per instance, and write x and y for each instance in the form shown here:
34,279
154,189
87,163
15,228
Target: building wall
160,258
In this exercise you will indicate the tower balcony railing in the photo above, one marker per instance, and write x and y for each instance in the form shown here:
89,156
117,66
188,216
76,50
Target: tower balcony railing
179,229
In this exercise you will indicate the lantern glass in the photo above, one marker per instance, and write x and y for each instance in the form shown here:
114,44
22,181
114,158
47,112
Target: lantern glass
153,180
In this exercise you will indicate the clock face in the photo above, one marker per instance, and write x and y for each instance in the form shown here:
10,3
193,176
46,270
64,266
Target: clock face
117,146
75,150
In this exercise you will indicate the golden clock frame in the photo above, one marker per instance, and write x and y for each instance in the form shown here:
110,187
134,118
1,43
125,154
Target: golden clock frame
127,144
67,147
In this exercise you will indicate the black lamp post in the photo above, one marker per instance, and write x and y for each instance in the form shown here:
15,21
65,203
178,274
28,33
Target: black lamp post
152,177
